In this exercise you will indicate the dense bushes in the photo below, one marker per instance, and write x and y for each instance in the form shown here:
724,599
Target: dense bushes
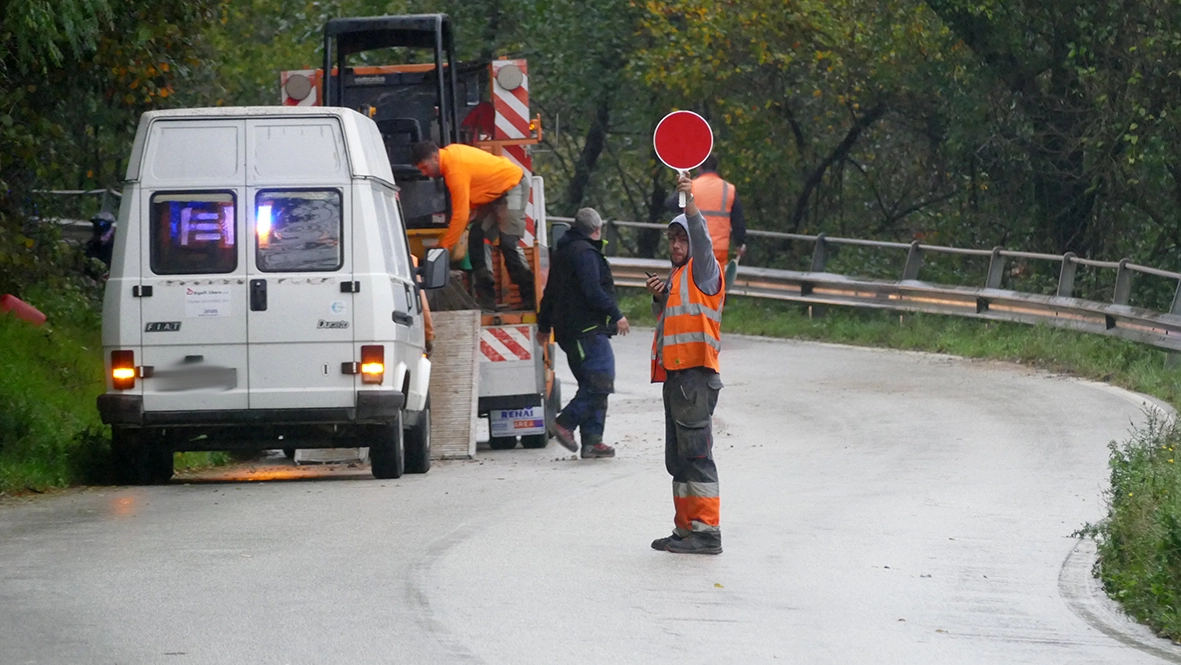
1140,540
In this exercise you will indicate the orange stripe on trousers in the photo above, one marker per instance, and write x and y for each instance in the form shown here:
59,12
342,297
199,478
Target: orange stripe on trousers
706,510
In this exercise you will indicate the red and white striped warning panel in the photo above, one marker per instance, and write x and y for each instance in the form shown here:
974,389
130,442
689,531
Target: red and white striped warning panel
510,99
506,343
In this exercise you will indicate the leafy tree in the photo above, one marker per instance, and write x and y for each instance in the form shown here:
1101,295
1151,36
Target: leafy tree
1084,98
77,74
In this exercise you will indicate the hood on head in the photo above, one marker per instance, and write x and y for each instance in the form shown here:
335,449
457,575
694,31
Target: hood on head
683,222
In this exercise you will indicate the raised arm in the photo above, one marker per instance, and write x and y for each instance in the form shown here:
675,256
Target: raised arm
706,271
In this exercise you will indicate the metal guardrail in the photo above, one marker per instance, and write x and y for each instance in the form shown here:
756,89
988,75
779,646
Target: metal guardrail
989,301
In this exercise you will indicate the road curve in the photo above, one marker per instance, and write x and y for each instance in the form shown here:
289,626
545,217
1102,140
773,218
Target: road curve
878,507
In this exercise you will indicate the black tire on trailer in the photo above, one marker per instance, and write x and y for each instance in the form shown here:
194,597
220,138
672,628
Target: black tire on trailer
502,442
534,440
387,454
418,442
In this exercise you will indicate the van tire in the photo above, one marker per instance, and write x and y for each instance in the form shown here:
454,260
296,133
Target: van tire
418,442
135,462
387,454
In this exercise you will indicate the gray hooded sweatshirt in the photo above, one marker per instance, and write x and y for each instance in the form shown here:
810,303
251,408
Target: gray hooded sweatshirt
707,274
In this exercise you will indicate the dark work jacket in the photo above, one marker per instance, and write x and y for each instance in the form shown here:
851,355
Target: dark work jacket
579,296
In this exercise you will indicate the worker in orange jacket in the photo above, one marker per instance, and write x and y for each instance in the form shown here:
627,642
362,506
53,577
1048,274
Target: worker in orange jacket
685,348
491,194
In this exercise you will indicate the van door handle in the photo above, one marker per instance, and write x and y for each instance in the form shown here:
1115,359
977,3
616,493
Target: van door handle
404,319
258,295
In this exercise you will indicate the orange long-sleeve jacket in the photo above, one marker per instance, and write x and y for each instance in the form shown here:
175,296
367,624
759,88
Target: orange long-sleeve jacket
475,178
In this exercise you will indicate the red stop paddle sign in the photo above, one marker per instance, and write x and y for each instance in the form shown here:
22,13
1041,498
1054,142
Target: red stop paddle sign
683,140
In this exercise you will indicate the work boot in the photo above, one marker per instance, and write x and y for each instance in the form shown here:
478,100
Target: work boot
597,450
661,544
565,436
695,544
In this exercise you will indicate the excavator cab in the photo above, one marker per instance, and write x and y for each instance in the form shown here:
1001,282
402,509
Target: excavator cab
417,99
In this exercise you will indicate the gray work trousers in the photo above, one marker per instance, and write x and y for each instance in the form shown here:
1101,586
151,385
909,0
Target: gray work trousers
690,396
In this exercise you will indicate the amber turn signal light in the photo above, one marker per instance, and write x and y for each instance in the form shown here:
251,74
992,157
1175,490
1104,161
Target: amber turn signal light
123,370
372,363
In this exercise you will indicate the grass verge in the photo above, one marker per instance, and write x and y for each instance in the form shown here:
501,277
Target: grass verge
1139,541
50,432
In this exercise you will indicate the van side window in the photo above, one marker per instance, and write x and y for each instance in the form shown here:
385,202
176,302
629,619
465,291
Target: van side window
398,235
298,230
193,233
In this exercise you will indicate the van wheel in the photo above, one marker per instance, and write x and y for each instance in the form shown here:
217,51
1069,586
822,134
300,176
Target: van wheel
387,456
502,442
418,442
134,461
534,440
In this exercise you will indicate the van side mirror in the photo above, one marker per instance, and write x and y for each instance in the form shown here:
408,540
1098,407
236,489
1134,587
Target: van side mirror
436,270
556,231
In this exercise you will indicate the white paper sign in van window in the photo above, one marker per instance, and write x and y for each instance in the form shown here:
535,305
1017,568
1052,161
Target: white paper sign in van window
206,302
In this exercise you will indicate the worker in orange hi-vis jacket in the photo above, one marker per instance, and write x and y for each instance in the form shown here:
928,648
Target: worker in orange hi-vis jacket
491,193
685,348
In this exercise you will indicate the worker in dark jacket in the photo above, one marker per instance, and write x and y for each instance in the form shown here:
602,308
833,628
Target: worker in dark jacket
579,307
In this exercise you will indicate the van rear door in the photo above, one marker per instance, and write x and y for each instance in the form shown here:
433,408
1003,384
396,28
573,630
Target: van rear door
300,281
192,291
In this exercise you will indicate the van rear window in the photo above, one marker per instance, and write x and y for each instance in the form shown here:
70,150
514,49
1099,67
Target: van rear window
193,233
298,230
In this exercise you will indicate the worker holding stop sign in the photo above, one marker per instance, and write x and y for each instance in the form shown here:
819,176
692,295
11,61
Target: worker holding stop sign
685,347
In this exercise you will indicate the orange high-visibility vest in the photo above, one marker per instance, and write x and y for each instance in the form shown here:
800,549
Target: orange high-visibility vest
715,198
689,330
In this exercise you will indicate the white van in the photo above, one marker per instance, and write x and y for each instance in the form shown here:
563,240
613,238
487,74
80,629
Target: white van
262,293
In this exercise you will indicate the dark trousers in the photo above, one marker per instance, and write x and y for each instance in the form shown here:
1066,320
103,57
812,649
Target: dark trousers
514,261
593,363
690,396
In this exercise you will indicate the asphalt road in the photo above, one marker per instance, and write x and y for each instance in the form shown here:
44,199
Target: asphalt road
878,507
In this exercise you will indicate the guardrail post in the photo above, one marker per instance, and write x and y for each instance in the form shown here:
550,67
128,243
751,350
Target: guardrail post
1066,276
914,261
1123,284
996,269
820,254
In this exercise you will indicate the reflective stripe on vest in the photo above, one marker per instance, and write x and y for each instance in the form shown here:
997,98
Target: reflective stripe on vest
689,330
714,198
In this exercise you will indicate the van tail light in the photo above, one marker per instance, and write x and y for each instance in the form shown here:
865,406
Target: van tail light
123,369
372,363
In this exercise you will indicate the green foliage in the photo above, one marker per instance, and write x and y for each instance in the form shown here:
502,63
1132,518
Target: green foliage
50,434
1140,540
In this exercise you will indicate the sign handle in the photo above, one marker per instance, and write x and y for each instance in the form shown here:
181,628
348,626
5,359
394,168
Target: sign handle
681,195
